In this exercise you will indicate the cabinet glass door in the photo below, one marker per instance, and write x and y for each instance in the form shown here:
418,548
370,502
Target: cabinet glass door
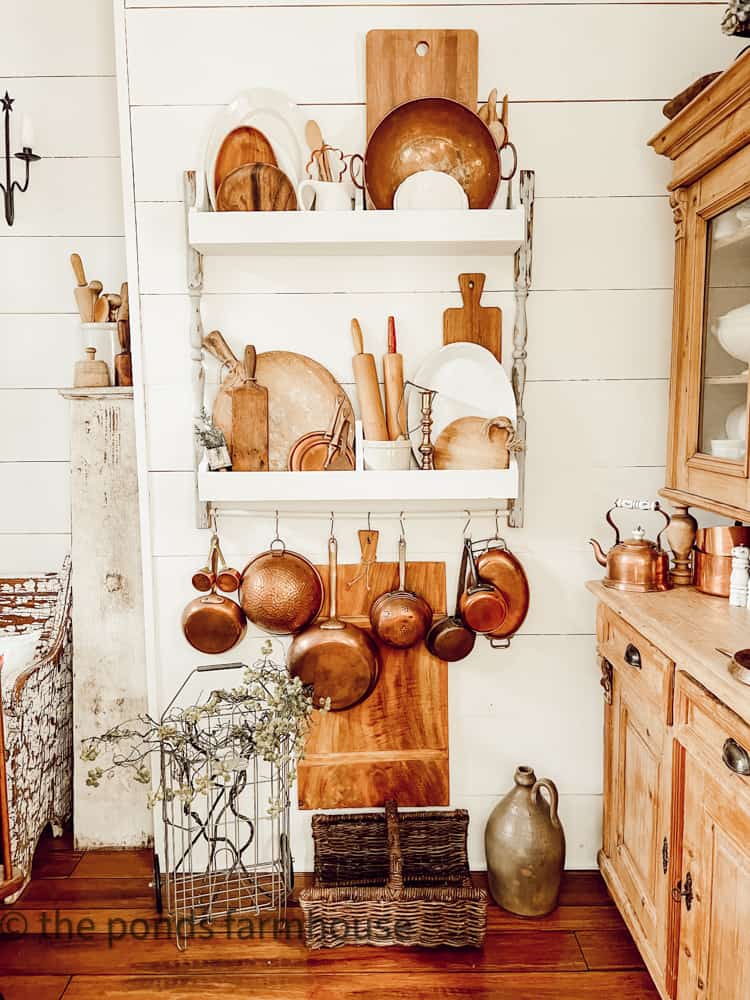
726,337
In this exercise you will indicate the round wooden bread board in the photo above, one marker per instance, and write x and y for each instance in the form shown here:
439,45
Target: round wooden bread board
256,187
241,146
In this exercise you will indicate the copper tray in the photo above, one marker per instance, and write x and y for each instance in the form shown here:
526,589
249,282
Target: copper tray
433,133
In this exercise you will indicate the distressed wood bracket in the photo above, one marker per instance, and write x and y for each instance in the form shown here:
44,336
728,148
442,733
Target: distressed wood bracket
521,286
678,202
198,372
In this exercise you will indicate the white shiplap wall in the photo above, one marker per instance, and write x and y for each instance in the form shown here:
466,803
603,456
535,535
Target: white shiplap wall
57,61
587,82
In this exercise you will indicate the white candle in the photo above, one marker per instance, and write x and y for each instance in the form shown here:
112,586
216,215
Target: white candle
27,133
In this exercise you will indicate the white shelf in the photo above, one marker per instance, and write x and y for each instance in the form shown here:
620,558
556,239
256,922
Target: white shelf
328,490
739,379
496,232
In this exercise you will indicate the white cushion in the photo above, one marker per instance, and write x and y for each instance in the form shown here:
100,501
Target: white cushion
18,652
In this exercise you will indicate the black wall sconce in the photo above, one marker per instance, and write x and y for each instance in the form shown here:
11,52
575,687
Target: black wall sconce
10,187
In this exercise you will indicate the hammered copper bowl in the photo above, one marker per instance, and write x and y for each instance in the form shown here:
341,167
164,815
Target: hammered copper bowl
432,133
281,591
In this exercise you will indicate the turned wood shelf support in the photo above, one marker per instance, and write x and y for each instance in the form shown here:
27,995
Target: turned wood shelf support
681,537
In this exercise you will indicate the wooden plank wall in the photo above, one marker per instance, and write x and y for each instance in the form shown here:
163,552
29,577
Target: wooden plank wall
587,82
57,61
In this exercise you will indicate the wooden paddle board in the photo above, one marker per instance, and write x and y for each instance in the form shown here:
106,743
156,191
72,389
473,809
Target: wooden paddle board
473,322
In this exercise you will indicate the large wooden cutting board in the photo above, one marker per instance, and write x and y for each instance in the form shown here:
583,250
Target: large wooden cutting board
396,72
395,744
473,322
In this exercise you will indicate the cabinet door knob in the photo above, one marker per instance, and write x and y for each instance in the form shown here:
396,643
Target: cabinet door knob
684,892
736,757
633,656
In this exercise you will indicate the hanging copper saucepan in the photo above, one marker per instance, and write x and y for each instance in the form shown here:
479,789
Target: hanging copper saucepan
450,638
498,566
204,579
338,659
482,606
400,617
213,623
281,591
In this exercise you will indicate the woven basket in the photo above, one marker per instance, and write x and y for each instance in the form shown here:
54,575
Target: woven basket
390,879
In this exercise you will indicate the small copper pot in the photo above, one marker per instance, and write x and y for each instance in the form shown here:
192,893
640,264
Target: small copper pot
213,623
450,639
483,607
204,579
400,618
713,557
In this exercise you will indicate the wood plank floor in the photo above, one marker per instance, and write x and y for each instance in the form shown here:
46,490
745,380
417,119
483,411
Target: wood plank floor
86,929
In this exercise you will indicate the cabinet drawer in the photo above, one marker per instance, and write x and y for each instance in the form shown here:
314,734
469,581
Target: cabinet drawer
639,662
707,728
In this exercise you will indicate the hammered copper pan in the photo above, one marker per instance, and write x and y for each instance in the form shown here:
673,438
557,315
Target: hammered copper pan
281,591
400,618
338,659
499,567
432,133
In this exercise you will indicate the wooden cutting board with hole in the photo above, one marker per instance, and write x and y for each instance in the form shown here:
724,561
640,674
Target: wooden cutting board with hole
405,65
395,744
474,323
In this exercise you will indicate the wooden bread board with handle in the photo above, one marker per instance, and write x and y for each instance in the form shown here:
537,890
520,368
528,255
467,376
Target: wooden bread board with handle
396,72
250,420
395,743
474,323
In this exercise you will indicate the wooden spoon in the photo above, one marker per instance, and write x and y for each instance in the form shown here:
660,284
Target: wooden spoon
315,141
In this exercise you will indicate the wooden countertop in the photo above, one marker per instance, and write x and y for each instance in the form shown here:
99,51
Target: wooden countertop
689,627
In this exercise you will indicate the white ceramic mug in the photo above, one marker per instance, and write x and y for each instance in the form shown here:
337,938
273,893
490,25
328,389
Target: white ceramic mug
324,196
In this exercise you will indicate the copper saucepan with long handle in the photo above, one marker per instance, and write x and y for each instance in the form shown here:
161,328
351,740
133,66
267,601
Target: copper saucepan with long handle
450,638
401,618
338,659
483,607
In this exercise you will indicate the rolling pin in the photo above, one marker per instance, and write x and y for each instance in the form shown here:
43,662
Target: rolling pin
368,390
393,381
84,297
123,362
250,420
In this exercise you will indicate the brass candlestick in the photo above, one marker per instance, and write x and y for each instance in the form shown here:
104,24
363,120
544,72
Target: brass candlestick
427,448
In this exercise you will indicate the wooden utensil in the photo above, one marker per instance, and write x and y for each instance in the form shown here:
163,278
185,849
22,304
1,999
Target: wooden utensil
473,322
82,293
368,391
476,443
124,310
337,658
115,301
368,545
123,360
393,386
249,449
90,372
101,310
315,141
405,65
241,146
256,187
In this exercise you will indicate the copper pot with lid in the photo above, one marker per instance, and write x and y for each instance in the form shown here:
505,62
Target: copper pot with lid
635,564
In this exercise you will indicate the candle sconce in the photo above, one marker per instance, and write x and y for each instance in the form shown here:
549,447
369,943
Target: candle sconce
10,187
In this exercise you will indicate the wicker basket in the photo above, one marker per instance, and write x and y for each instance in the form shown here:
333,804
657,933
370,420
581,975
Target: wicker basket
390,879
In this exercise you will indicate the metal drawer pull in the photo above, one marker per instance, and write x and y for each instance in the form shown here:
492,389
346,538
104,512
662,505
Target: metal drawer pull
633,656
685,893
736,757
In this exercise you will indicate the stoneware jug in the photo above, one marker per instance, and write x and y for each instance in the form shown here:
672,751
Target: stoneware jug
525,847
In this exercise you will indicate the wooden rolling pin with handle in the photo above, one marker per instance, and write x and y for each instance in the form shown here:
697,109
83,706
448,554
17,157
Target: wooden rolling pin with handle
84,296
368,390
393,384
250,420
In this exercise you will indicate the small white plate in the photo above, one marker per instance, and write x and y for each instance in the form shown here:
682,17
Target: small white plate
469,381
430,189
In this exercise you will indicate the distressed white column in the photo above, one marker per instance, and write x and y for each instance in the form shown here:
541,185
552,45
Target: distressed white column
109,672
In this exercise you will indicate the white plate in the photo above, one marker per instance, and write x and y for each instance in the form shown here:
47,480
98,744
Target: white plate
430,189
273,114
469,381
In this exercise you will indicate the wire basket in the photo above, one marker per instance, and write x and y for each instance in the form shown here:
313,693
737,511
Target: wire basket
226,815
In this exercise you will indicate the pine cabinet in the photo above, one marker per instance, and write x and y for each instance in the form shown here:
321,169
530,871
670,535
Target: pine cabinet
708,465
676,834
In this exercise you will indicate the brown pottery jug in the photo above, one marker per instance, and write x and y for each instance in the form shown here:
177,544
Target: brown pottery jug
525,847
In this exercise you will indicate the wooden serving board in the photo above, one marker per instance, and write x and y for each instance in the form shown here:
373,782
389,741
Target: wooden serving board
397,73
395,744
473,322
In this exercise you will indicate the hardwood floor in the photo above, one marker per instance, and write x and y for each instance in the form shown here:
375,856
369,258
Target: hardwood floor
68,936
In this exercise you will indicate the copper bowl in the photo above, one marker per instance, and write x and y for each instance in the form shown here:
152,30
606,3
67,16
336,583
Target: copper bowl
432,133
281,591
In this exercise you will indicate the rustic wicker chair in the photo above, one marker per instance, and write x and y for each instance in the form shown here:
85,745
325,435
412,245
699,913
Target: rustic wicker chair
36,725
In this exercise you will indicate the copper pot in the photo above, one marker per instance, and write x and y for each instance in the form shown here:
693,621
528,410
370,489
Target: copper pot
483,607
713,557
400,618
281,591
498,566
339,660
213,623
450,638
432,133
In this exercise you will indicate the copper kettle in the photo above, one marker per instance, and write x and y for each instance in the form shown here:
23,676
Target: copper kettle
635,564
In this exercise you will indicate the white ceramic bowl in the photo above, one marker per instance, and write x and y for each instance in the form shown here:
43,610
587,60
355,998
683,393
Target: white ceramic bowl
736,423
387,456
430,189
732,330
733,449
